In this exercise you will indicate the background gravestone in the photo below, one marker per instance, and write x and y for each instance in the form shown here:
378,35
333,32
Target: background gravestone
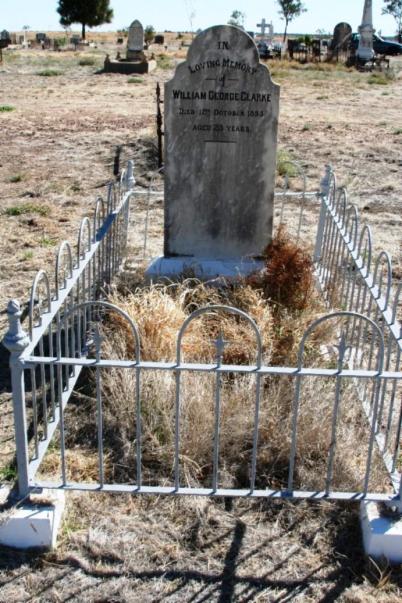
221,119
135,44
341,38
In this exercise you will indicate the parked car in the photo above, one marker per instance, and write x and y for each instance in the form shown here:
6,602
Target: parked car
269,51
380,45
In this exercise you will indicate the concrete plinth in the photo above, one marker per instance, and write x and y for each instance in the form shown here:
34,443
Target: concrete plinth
33,525
127,67
382,536
205,269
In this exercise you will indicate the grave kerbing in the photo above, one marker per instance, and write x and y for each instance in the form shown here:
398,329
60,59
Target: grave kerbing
221,120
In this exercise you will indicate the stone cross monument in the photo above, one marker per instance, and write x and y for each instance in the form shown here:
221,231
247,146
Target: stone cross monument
263,25
221,120
365,51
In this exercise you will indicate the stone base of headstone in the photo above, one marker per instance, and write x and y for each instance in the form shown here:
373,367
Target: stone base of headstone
204,269
33,525
382,535
127,67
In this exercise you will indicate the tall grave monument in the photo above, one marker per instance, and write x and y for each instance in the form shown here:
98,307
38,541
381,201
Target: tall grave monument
221,120
365,51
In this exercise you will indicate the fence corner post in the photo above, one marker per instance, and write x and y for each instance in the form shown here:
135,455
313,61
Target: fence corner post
16,340
324,192
130,180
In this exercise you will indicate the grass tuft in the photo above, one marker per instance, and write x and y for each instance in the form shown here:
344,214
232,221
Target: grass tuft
6,108
87,62
135,80
27,208
49,73
164,62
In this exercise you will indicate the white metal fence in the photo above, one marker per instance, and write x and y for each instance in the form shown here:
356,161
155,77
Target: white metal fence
66,337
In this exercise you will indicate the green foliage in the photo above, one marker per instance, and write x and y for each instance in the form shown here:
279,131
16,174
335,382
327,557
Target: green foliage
86,62
149,33
289,10
8,473
394,9
28,208
135,80
15,178
6,108
381,79
237,18
49,73
90,13
284,165
164,62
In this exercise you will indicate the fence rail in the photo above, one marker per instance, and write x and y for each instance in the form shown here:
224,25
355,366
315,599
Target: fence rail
68,326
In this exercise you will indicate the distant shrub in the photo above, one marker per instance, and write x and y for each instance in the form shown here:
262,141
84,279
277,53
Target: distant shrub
381,79
6,108
284,165
164,62
135,80
86,62
49,73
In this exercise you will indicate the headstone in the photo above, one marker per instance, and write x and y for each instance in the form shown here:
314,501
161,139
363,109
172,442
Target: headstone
365,51
4,35
221,119
135,44
341,38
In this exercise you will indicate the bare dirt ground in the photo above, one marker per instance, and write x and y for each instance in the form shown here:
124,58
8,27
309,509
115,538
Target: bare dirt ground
58,147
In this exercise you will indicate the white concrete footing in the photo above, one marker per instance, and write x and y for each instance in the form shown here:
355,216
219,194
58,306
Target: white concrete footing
382,535
205,269
33,524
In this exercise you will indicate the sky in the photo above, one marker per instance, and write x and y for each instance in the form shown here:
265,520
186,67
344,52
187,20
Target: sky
184,15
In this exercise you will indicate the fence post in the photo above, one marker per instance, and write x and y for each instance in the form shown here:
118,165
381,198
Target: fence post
324,186
16,340
130,180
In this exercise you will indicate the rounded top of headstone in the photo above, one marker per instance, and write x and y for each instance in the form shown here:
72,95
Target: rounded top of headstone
228,37
135,24
343,26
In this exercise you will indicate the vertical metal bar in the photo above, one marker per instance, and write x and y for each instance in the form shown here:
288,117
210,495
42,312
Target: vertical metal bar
34,411
99,407
216,431
255,431
332,446
377,384
177,433
292,454
44,390
51,372
61,409
138,427
392,401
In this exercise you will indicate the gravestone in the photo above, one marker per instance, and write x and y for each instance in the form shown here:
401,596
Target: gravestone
135,44
341,37
135,61
221,119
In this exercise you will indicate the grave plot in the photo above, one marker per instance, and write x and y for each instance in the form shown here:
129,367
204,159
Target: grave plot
247,389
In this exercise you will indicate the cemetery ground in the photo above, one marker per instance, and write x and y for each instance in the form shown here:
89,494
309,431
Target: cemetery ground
61,122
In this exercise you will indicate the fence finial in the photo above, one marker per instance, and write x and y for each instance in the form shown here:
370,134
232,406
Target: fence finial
16,339
326,180
130,180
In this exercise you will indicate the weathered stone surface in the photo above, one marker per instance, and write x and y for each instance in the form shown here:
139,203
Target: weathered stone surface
221,117
136,36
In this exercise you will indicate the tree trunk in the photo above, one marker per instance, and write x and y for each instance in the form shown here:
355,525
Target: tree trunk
286,29
83,31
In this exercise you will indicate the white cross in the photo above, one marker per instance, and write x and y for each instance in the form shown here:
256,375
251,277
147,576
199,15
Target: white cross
263,26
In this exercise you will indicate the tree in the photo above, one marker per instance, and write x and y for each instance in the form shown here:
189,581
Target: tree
289,10
394,8
89,13
149,34
237,18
